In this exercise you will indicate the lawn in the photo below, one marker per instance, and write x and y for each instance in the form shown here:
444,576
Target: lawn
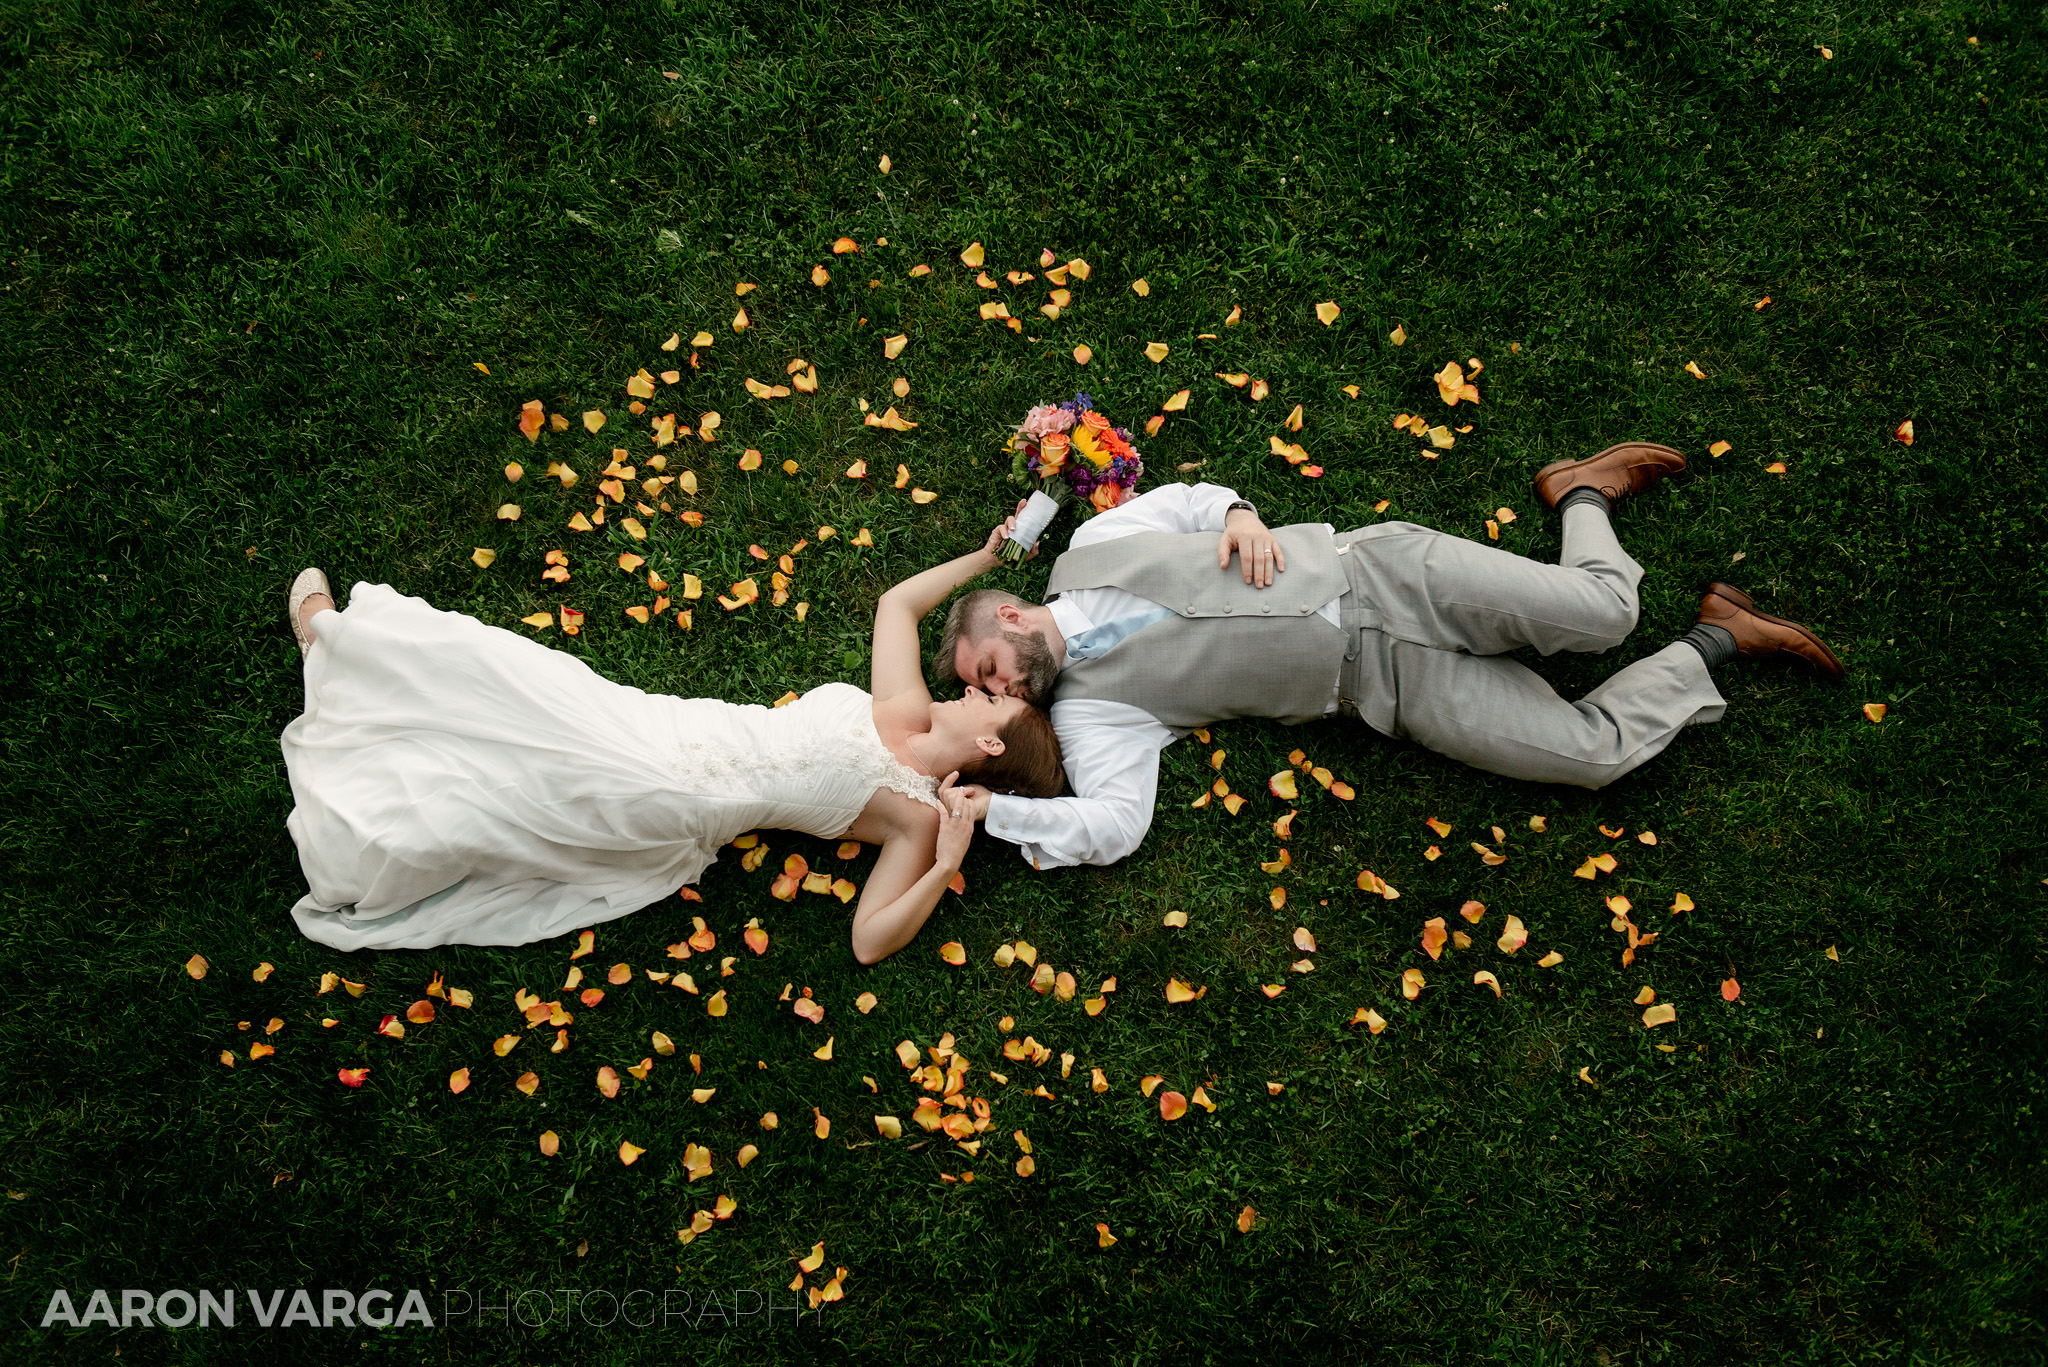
275,282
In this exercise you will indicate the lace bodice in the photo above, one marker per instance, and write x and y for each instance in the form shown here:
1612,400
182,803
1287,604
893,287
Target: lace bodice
819,754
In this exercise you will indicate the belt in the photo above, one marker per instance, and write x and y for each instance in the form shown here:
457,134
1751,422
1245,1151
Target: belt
1348,682
1357,614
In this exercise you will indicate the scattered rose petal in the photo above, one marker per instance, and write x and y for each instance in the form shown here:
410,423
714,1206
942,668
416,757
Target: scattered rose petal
1730,989
1412,983
1875,711
1550,960
1663,1013
1172,1105
1513,937
1482,976
1433,936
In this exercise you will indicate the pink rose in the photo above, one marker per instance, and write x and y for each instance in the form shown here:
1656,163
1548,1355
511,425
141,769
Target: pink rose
1045,420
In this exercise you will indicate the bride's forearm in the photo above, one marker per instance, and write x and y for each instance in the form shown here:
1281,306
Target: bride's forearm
879,933
922,592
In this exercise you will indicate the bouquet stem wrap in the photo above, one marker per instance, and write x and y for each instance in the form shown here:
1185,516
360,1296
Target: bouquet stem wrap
1038,514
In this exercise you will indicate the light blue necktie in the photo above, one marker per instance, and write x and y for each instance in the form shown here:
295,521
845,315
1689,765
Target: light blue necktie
1095,641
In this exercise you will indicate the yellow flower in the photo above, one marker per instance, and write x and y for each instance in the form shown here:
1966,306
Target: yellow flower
1090,449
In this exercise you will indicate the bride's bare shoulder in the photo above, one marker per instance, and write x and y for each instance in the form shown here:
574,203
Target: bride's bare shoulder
890,814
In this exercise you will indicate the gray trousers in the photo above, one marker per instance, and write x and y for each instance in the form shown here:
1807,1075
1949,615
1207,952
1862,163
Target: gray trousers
1433,615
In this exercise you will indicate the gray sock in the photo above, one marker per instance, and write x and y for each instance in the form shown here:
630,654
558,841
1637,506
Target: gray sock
1585,495
1716,645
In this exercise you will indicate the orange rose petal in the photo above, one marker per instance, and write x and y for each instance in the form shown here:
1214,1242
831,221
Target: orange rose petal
1433,937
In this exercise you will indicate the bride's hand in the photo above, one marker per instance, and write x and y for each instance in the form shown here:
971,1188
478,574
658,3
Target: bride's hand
956,824
972,800
1003,531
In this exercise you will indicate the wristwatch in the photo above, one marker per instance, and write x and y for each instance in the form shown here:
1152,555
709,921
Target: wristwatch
1241,503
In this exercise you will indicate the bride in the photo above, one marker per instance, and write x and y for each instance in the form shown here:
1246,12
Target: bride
456,783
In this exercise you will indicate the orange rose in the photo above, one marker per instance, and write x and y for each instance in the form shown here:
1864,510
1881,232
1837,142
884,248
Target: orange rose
1106,496
1095,420
1052,451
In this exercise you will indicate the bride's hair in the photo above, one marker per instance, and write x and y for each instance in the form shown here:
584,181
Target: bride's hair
1030,765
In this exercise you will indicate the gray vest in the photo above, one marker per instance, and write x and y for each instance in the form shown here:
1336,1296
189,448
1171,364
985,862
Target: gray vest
1231,650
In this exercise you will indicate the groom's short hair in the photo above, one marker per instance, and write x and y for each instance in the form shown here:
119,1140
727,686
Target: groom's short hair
973,618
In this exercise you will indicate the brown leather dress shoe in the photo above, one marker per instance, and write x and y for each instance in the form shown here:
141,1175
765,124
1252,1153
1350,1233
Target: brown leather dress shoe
1760,636
1617,472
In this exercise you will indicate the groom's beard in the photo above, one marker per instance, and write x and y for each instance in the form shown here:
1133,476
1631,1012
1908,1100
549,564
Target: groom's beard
1034,658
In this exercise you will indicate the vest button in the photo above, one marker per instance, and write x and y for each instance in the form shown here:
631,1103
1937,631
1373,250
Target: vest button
1265,607
1228,609
1191,609
1304,607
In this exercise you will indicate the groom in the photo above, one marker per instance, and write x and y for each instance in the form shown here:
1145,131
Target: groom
1146,634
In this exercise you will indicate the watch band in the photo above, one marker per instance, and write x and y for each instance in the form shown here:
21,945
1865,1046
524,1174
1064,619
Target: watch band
1241,503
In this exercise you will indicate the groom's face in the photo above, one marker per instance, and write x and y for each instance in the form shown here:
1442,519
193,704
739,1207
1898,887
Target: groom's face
1015,664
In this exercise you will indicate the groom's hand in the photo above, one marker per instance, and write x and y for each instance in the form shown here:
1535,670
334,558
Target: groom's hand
1259,555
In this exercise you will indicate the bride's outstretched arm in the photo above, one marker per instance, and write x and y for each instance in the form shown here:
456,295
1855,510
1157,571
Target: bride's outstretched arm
898,671
909,877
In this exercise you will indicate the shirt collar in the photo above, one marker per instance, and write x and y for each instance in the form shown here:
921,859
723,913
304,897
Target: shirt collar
1067,618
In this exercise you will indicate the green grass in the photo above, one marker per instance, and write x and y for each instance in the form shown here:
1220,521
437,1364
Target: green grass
250,255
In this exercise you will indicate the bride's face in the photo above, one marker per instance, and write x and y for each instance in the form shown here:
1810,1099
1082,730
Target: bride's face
967,722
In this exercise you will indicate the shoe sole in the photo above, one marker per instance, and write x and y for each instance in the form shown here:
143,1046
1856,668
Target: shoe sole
1559,466
1748,605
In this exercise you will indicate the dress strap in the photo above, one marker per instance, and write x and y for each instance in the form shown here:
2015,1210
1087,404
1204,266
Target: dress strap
899,777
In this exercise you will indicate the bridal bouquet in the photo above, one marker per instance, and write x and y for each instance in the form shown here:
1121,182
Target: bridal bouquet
1075,455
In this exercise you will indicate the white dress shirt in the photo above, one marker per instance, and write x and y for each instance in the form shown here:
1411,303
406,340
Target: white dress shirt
1111,749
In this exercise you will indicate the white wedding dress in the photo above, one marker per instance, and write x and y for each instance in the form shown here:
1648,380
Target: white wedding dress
456,783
